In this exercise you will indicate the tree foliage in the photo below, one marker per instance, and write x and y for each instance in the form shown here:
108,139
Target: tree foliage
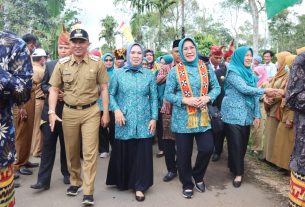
108,32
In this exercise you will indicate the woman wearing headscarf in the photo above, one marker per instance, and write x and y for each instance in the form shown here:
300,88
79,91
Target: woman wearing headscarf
257,134
295,101
190,86
133,97
272,105
284,137
240,108
106,135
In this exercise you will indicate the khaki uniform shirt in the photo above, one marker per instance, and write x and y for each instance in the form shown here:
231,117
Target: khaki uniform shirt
37,79
81,80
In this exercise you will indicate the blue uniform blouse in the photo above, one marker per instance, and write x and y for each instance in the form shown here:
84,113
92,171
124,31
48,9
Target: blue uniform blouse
234,109
135,94
173,94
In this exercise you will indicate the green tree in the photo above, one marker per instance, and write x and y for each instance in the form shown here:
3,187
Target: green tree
108,33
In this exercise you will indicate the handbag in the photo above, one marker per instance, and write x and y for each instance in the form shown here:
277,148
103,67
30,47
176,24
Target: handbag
215,117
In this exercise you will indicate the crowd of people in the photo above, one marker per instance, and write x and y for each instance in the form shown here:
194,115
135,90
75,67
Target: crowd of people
116,104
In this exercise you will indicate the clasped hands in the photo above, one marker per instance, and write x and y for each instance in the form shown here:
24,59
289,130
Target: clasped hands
272,93
197,102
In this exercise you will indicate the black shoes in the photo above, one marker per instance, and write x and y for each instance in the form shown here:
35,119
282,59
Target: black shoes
187,193
200,187
40,186
237,184
140,198
169,176
88,200
31,165
25,171
215,157
160,154
66,179
73,190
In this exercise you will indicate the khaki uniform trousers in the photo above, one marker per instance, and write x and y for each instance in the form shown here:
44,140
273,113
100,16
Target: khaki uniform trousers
82,125
37,138
23,134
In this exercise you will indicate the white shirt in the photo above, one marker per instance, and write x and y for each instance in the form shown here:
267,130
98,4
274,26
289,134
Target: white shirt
271,69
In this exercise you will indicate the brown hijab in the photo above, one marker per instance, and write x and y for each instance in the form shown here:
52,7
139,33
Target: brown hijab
281,57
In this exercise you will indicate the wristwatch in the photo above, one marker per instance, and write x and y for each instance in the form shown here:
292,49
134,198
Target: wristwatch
51,112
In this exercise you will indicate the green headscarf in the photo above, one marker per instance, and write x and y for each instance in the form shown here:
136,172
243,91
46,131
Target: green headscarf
194,63
237,66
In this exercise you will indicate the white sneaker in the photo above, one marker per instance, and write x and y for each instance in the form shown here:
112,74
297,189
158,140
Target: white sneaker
104,155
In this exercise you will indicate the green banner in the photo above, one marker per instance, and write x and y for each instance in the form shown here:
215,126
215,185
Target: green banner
273,7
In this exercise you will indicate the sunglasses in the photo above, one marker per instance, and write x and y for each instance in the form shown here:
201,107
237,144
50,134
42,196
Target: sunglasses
108,60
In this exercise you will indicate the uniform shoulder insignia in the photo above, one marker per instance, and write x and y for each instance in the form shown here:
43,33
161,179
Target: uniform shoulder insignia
64,60
95,58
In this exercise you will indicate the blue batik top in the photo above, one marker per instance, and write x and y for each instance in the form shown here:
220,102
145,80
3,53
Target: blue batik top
15,88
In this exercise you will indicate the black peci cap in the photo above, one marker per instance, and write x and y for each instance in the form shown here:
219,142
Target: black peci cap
79,34
176,43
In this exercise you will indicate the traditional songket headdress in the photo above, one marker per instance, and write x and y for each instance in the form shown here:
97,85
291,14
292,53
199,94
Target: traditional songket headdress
186,87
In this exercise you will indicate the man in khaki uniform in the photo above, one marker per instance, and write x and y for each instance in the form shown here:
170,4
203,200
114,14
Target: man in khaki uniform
80,75
39,58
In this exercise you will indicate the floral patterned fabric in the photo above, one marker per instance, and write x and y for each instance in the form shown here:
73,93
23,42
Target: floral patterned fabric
135,94
15,88
295,100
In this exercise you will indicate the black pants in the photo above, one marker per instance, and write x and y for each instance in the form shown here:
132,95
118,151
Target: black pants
218,141
205,147
159,131
170,155
106,135
238,137
49,152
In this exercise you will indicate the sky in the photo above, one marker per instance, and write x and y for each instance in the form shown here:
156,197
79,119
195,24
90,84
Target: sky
92,11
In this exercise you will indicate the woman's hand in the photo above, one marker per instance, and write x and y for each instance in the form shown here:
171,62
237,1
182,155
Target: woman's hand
268,101
119,117
256,123
203,100
152,126
191,101
289,124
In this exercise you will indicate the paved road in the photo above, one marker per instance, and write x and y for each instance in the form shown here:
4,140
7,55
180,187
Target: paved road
220,192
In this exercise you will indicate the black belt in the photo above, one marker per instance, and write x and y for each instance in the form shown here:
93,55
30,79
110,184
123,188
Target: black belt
80,107
41,98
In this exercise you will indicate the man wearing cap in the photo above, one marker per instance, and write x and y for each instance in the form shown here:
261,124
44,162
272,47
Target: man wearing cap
80,75
216,55
120,57
50,138
39,58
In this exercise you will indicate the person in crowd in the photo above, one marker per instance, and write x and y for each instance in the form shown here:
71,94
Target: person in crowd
220,70
15,88
165,112
240,108
80,74
284,136
228,54
145,63
50,138
39,58
269,65
257,133
257,60
120,57
106,135
149,55
190,87
134,99
24,123
295,101
272,105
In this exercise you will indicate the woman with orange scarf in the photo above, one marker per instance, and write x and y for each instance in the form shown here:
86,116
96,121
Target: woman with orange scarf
272,105
190,86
